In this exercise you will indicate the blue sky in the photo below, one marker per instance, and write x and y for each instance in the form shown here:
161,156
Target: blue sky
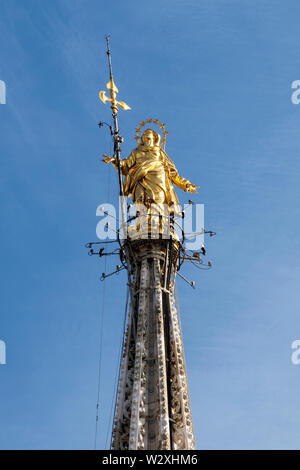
219,74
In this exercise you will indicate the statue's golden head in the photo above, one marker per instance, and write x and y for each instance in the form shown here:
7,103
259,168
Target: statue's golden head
150,138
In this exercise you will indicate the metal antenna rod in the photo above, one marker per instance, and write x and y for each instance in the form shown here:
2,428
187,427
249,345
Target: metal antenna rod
116,135
117,138
114,104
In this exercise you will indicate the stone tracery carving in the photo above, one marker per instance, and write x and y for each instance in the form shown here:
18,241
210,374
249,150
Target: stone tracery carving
145,418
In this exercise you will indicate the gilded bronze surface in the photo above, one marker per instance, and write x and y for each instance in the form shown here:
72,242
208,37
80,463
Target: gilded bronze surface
113,95
150,175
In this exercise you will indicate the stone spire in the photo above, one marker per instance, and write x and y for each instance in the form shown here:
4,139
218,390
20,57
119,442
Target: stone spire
153,407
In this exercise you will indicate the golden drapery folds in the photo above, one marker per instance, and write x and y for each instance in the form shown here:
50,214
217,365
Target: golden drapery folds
150,175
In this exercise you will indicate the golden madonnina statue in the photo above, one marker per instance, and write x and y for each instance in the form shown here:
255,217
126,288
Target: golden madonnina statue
150,174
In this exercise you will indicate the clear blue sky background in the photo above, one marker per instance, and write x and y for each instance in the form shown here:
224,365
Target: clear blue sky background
219,74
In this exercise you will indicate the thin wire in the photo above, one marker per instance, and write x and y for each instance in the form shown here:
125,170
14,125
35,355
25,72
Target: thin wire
198,266
100,362
101,337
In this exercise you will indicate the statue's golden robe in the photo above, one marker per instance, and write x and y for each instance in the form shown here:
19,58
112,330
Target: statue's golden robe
150,176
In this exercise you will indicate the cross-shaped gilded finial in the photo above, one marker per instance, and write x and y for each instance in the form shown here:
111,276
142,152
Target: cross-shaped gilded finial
113,94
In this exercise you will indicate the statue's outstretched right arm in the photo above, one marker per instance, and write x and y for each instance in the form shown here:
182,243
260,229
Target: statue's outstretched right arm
125,164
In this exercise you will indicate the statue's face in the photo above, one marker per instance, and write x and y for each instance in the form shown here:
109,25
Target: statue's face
148,139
